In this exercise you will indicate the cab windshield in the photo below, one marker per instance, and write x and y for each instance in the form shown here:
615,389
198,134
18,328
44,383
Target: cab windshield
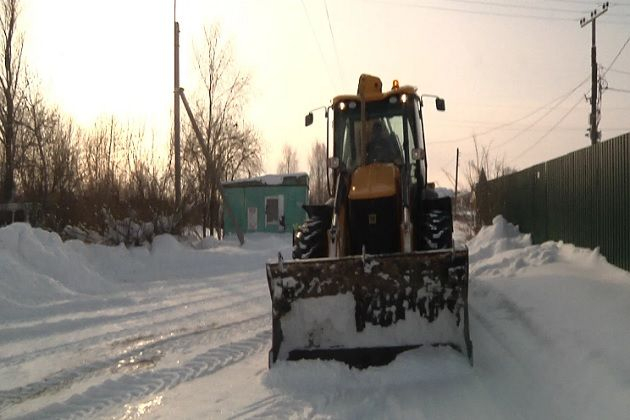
384,132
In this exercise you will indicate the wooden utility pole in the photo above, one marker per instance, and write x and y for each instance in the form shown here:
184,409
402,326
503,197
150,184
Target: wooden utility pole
206,151
594,118
176,122
456,173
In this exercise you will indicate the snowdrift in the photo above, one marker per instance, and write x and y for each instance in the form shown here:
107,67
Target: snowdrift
37,268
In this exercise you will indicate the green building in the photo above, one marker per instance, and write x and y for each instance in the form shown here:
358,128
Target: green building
270,203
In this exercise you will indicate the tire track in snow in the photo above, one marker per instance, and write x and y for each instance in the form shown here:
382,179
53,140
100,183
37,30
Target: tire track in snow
149,327
127,388
148,354
12,334
276,407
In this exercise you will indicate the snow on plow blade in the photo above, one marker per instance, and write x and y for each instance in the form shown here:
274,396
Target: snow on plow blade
364,310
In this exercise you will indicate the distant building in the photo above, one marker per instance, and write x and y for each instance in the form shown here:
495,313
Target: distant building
270,203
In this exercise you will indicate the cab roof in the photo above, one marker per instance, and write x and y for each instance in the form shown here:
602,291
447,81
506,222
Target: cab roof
375,96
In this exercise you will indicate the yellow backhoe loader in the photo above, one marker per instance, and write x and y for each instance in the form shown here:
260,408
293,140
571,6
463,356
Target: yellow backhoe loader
375,271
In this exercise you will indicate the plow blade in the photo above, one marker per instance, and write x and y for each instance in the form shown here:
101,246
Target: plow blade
364,310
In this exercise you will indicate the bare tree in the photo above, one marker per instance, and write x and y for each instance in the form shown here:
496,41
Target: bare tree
484,165
492,165
288,162
230,147
317,167
11,44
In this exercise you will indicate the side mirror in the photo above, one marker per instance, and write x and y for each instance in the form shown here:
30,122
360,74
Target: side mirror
308,120
439,104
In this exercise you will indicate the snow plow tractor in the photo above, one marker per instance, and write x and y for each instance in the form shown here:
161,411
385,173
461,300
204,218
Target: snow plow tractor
375,271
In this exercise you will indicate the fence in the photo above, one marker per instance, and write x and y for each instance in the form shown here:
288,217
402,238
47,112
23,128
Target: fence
581,198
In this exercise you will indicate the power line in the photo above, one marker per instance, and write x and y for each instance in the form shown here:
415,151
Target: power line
560,98
550,130
619,71
319,47
586,2
619,90
474,12
553,108
617,56
488,12
516,6
574,106
332,35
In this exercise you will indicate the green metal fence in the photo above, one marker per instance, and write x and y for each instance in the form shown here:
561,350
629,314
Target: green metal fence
581,198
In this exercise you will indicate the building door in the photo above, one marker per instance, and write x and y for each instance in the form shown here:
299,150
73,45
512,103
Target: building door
252,218
271,211
274,211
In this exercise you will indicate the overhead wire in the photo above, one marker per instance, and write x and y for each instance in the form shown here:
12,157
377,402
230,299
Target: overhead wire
618,90
321,52
619,71
586,2
332,35
577,103
560,98
553,108
474,12
491,12
550,130
617,56
516,6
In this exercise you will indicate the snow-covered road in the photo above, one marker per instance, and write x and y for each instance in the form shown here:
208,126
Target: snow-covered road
176,332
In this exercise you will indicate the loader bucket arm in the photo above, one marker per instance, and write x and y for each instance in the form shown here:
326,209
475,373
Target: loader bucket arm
364,310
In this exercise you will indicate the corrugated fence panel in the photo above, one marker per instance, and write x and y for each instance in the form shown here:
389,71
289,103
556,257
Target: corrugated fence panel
581,198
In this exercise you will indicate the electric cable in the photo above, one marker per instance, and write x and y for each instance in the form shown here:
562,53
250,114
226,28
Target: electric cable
544,115
516,6
550,130
619,71
617,56
489,13
321,52
332,35
618,90
560,98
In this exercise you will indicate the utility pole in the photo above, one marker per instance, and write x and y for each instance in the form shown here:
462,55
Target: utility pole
594,120
176,122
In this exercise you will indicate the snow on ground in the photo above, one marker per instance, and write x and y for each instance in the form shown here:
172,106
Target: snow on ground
174,331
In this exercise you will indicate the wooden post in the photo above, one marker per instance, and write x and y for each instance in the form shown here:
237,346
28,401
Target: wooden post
206,152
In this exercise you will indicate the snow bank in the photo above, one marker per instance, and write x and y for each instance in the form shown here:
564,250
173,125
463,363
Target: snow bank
37,268
501,250
564,303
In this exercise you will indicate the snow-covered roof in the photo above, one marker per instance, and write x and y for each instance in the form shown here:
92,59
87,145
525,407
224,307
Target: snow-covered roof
298,178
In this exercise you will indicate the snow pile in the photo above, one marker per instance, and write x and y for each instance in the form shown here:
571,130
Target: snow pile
492,240
501,250
566,304
37,268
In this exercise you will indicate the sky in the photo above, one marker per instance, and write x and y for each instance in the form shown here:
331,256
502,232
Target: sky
510,71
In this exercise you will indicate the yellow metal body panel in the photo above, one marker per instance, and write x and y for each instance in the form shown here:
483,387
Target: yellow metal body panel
409,90
376,180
